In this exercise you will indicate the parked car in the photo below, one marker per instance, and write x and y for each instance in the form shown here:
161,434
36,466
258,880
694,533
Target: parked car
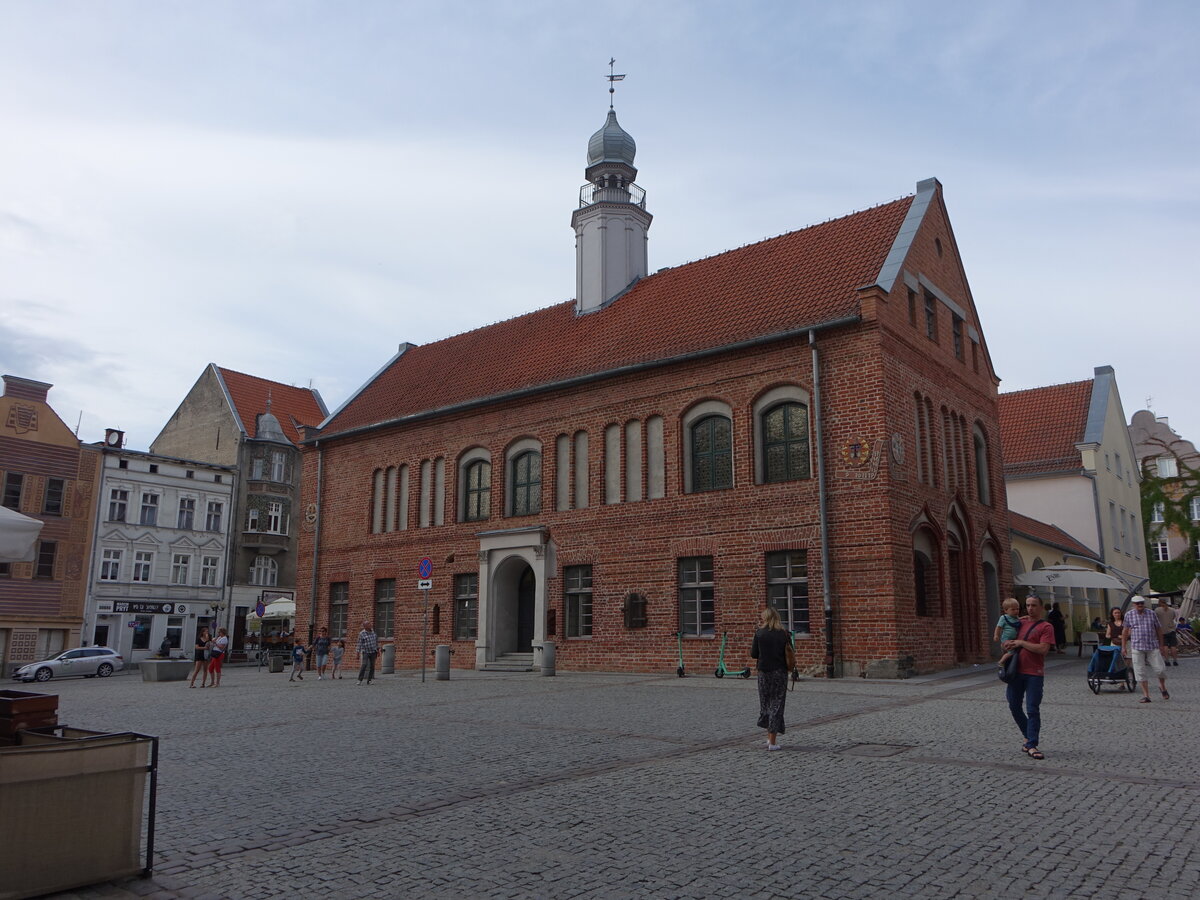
86,661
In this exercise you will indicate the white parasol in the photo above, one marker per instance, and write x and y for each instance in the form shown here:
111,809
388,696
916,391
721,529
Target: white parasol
1071,577
1190,603
280,609
18,536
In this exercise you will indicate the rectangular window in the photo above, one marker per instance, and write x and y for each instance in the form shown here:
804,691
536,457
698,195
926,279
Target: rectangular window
385,607
118,500
212,521
143,562
1168,467
1157,511
208,571
931,317
275,520
141,632
1159,550
466,607
52,501
5,570
956,328
578,582
339,608
13,482
1123,543
912,307
787,588
257,466
252,520
1194,513
190,473
696,610
187,513
277,462
1112,525
175,631
153,468
149,509
180,563
1120,471
44,567
110,565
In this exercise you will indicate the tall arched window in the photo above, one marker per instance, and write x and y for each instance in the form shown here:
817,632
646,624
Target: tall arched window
527,483
983,471
264,572
712,454
785,443
478,491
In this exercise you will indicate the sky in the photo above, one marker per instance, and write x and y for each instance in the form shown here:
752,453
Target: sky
292,189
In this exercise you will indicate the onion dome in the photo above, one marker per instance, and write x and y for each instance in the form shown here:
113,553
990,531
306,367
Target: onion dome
611,144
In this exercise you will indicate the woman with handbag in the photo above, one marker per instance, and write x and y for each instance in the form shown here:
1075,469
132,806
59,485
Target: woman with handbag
770,647
216,656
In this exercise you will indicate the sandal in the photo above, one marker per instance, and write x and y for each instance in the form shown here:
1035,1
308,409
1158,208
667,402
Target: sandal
1035,753
1144,700
1166,696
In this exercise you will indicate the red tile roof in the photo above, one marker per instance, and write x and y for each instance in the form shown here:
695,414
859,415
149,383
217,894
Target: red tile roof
1040,427
290,405
797,280
1046,534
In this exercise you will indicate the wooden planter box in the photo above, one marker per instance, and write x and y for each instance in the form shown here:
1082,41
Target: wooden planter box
13,703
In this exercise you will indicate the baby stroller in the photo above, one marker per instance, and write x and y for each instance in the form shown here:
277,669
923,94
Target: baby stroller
1109,666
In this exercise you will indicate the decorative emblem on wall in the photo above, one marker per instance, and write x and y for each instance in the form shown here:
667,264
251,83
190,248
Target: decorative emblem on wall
898,449
856,452
310,517
22,419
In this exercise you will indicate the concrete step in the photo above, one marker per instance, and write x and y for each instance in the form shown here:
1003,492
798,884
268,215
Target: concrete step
511,662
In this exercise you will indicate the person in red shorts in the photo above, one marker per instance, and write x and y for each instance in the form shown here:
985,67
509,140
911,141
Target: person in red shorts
217,656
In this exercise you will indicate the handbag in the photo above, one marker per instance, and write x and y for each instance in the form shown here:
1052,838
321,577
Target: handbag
1008,671
789,654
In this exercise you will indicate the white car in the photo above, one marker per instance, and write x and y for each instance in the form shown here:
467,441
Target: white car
89,662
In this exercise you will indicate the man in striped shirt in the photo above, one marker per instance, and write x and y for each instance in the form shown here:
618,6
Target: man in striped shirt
368,649
1143,633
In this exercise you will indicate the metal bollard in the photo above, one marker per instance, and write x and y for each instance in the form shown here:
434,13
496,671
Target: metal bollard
441,662
548,657
387,664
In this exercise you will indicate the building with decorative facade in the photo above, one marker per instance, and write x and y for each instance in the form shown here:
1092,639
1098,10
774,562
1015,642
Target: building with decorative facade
1171,466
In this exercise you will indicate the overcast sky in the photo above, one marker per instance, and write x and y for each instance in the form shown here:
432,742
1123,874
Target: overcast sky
291,189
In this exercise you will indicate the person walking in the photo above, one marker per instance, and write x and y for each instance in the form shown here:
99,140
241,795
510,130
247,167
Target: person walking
1034,641
336,652
321,649
368,649
216,656
769,647
200,658
298,651
1059,623
1143,634
1166,621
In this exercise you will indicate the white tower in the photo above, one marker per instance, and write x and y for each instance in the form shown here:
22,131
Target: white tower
611,222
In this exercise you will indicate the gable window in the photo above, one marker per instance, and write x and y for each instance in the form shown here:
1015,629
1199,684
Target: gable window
187,513
697,614
785,443
956,330
208,571
180,563
44,567
52,500
213,521
466,607
13,481
385,607
265,572
339,608
149,509
931,317
527,483
110,566
143,561
478,499
787,588
118,499
912,307
1168,467
712,454
578,580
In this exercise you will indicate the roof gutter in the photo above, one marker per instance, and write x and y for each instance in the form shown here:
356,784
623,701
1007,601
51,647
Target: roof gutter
631,369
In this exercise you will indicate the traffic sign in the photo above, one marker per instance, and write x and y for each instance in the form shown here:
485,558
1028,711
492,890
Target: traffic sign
425,567
425,584
259,608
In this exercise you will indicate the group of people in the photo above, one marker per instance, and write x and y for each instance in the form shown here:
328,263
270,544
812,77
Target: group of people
208,656
327,650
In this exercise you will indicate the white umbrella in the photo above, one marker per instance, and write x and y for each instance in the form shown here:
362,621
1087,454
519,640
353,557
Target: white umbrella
18,536
1191,600
280,609
1070,576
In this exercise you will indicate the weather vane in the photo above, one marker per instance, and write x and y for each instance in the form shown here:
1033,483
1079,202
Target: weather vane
612,79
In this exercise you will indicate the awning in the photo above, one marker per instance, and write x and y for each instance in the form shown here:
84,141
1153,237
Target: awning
1071,577
280,609
18,536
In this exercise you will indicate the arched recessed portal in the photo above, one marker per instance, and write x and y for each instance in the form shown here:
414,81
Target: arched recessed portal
514,592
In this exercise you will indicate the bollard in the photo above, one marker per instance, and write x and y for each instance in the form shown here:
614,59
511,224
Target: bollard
548,657
387,665
441,662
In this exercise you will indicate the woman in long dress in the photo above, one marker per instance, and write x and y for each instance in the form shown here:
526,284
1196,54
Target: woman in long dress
770,649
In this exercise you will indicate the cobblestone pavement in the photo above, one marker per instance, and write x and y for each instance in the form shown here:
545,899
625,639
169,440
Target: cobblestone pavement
596,785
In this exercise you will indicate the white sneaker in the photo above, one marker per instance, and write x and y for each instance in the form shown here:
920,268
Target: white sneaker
320,678
774,747
358,682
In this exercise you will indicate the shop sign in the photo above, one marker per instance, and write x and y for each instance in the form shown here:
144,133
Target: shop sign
133,606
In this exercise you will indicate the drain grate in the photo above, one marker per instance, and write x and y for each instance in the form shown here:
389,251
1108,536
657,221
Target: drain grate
876,750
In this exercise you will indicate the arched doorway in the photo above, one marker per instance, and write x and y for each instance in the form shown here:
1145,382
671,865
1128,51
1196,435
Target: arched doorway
514,606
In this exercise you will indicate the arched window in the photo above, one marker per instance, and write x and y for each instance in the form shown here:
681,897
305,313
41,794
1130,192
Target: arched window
478,496
982,468
712,454
785,443
527,483
264,572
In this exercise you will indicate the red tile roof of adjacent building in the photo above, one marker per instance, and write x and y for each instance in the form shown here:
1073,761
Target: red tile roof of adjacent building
1046,534
291,405
1040,427
795,281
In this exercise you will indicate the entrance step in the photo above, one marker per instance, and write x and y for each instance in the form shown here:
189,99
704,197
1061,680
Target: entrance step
510,662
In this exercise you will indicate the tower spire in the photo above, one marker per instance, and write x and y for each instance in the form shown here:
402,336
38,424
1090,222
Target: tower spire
612,79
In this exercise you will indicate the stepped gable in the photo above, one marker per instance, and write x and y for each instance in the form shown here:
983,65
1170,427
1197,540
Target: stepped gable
796,280
291,405
1046,534
1040,427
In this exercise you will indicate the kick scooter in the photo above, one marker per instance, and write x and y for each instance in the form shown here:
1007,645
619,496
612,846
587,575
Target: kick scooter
722,669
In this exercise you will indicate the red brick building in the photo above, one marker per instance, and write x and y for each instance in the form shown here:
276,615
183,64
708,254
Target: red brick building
809,420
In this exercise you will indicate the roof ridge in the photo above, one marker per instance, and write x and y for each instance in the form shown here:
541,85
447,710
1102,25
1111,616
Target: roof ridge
226,369
1085,381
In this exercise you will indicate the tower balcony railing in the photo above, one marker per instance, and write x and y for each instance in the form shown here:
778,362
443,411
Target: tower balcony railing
630,193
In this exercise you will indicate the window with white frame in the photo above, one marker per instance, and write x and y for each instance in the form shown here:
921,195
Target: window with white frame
578,581
258,466
118,500
180,563
385,607
276,523
1156,512
208,571
278,460
339,608
143,564
212,521
252,520
110,565
187,513
264,572
1158,550
1194,509
697,615
787,588
1168,467
52,498
149,508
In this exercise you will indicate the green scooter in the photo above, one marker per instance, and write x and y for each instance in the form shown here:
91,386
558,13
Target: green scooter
722,669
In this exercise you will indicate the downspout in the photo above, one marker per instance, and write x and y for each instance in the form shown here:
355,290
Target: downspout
826,581
312,614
